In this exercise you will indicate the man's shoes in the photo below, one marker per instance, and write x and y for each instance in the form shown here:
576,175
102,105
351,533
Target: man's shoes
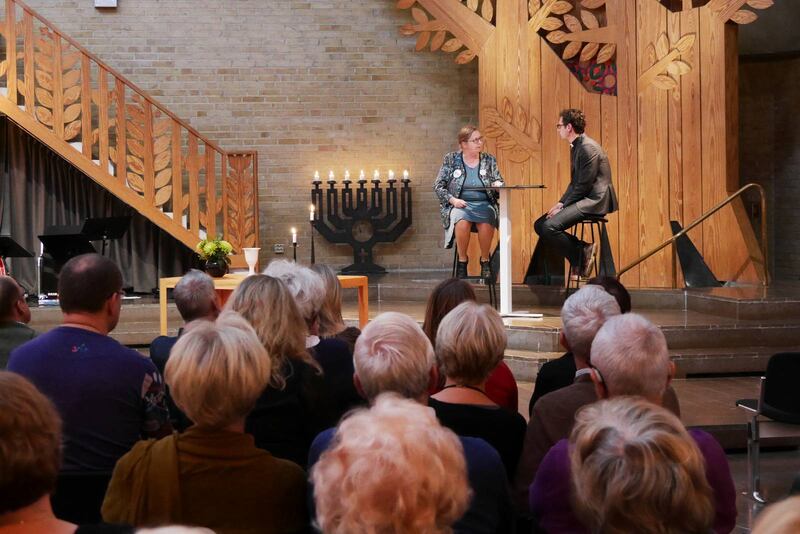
486,271
575,274
461,269
589,252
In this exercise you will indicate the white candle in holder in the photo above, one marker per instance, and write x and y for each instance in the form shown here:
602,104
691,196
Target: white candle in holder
331,177
376,175
311,213
346,175
361,176
316,176
294,236
391,174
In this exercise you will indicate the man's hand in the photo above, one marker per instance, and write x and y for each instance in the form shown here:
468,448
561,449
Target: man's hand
458,203
497,183
555,209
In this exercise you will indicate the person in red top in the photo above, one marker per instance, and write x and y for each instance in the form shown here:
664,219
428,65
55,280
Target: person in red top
501,386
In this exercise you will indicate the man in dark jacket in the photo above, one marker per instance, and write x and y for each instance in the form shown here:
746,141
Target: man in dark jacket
589,193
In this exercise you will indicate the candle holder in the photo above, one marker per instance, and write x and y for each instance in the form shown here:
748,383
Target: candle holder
375,215
294,252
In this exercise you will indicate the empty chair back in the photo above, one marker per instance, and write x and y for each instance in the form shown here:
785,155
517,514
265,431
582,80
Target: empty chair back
781,401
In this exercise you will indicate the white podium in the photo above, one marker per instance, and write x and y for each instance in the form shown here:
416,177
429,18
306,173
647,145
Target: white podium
506,309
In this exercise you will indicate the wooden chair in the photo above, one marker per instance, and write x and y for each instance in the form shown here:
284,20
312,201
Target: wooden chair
597,226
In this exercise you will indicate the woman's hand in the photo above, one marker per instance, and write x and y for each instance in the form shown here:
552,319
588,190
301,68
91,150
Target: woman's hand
457,202
497,183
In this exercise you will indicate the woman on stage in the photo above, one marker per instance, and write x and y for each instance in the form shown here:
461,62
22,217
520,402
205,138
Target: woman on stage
461,210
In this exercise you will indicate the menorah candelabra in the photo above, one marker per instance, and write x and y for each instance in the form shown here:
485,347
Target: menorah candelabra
360,216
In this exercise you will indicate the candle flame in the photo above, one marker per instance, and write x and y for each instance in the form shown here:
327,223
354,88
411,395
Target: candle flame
316,175
330,175
405,173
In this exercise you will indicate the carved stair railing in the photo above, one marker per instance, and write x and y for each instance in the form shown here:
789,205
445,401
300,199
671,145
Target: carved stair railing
123,139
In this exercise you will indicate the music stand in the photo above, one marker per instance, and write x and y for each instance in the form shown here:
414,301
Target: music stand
10,249
63,247
105,228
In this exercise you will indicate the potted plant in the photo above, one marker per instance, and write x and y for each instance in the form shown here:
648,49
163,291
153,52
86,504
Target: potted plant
215,252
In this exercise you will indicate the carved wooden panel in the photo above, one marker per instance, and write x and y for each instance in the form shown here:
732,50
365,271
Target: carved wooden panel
653,77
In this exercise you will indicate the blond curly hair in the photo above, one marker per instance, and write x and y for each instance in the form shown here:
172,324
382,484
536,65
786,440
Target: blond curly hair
391,469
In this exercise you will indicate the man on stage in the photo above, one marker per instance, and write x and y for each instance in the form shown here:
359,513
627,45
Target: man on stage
589,193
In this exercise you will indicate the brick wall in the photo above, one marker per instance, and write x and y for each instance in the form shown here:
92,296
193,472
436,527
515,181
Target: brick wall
309,84
769,90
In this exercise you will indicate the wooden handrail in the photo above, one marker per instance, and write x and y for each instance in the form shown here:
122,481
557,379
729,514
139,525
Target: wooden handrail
706,215
121,137
116,74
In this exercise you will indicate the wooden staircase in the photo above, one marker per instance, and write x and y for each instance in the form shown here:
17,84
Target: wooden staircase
122,138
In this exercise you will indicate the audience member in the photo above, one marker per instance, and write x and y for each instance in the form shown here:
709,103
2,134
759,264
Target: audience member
559,373
501,386
582,315
333,355
292,409
391,469
331,323
212,475
636,469
108,395
196,299
393,355
14,318
780,518
470,342
30,456
629,357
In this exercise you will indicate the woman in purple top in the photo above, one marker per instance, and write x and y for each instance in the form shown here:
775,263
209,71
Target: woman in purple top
630,466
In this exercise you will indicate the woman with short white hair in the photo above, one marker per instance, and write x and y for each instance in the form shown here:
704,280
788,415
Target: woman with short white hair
212,475
391,469
470,343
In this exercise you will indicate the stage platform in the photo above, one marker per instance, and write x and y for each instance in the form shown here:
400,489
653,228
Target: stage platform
720,339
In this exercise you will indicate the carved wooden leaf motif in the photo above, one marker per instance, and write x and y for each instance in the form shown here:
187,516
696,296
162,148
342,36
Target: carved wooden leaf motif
422,40
533,6
511,130
606,53
72,112
472,4
68,99
551,23
487,10
452,45
405,4
561,7
589,51
571,49
419,15
572,23
666,68
72,129
593,4
44,116
465,57
760,4
557,37
662,46
589,20
73,94
743,17
163,195
136,182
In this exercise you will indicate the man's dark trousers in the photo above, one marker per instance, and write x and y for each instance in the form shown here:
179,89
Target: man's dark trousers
554,232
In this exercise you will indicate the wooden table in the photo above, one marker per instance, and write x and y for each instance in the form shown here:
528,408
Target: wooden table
229,282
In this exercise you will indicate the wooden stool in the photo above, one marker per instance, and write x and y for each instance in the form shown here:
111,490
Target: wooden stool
594,222
490,282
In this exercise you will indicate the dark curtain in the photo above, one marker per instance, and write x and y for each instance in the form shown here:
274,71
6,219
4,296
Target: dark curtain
39,189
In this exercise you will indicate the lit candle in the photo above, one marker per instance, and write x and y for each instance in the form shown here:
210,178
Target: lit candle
294,236
361,177
346,175
311,213
376,175
391,175
405,176
331,177
316,176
